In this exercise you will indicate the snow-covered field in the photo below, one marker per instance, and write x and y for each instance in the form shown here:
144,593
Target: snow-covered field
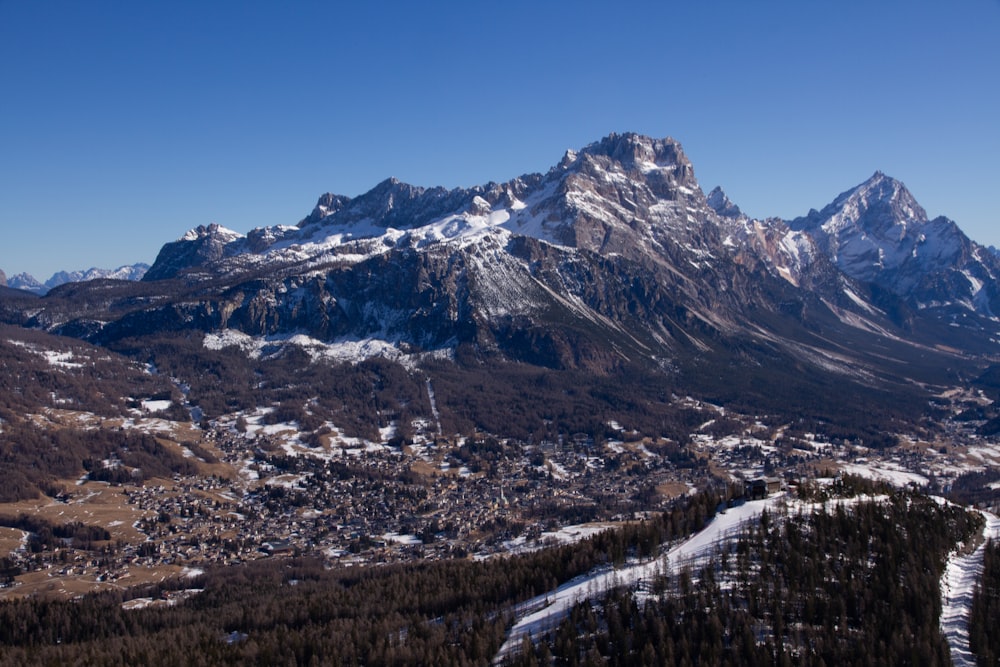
885,472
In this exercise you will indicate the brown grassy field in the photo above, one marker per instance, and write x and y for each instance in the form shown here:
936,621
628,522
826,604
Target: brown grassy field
51,583
93,503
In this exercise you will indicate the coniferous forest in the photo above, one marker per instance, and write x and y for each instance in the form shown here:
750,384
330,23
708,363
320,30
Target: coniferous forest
984,640
849,581
299,612
855,584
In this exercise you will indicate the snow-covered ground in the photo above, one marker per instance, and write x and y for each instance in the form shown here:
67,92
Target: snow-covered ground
885,472
544,612
957,586
565,535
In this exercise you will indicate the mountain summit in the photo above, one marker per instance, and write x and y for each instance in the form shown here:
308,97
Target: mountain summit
878,233
721,204
596,199
618,232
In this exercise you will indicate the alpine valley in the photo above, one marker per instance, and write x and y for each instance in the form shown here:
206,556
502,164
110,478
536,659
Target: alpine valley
420,375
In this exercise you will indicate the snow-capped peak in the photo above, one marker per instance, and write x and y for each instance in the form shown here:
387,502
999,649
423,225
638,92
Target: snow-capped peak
29,283
592,199
213,230
624,195
877,232
870,228
894,207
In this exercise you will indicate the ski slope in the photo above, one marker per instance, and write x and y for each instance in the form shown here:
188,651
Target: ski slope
545,612
957,586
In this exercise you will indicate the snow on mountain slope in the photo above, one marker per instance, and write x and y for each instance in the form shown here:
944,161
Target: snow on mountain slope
878,233
626,196
544,613
789,254
873,227
27,282
721,204
603,198
615,250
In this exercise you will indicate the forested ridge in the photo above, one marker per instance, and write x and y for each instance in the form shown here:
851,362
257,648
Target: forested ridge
848,585
34,459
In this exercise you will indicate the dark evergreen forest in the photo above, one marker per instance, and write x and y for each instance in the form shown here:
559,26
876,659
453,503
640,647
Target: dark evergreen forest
984,637
300,612
853,583
849,585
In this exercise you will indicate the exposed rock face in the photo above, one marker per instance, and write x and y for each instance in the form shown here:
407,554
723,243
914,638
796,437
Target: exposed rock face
26,282
869,229
599,199
3,279
720,203
200,246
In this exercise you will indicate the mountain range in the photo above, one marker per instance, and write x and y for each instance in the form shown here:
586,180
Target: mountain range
614,262
27,282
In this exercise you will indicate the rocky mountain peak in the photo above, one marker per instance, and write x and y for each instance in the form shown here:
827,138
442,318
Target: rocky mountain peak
212,231
870,228
881,206
327,205
877,232
3,278
720,203
379,202
568,159
391,204
26,282
635,151
613,257
626,195
201,245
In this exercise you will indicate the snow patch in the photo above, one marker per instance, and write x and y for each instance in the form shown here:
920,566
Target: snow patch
347,350
885,472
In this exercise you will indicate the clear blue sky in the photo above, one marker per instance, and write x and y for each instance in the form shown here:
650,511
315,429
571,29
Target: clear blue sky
124,124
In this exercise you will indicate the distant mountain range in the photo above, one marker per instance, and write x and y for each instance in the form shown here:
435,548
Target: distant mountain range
27,282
